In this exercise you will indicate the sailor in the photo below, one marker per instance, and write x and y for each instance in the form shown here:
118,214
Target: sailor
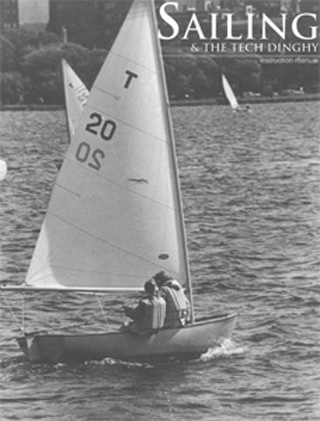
246,108
150,313
178,306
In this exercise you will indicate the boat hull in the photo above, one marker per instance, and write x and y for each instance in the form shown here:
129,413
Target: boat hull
187,342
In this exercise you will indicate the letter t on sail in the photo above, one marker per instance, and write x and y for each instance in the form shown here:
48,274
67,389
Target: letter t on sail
131,75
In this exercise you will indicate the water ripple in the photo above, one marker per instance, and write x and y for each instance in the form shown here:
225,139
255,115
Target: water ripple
251,195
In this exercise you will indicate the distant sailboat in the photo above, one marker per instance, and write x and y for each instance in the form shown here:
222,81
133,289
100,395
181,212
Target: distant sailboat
3,169
232,99
229,93
76,95
115,217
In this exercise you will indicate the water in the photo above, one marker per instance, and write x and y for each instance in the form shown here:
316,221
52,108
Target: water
251,195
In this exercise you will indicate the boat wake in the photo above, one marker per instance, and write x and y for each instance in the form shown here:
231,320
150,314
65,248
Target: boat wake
226,349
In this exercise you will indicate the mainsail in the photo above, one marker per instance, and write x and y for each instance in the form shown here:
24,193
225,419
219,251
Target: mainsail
76,95
229,93
115,215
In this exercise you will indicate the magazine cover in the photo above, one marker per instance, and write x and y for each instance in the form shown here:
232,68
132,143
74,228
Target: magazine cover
159,178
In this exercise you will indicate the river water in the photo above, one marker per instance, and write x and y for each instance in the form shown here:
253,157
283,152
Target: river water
251,193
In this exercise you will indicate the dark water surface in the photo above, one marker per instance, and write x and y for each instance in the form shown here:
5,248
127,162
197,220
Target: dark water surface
251,192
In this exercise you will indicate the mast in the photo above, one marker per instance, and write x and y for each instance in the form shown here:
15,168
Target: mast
173,154
63,62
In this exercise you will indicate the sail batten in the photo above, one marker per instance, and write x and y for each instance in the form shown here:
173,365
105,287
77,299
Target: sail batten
114,219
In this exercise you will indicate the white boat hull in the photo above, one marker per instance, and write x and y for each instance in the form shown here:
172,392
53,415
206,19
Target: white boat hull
188,342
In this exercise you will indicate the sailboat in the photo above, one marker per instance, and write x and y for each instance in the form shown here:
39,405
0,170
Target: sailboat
76,95
232,99
115,216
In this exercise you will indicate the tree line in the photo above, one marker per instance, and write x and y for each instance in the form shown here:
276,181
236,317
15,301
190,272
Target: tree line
31,70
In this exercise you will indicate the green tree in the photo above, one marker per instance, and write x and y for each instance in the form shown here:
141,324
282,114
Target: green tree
11,87
87,63
21,38
26,41
7,55
249,76
43,68
211,70
200,84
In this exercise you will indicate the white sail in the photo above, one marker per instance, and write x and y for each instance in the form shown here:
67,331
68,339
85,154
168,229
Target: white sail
114,218
229,93
3,169
76,95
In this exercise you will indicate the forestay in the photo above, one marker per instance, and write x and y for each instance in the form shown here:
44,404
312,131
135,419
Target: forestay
114,219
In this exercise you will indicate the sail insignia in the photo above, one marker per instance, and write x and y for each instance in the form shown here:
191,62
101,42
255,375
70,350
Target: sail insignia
76,95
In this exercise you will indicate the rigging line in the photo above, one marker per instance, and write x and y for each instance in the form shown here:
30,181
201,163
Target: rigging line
11,312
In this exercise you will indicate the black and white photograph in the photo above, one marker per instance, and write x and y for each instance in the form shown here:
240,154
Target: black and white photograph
160,210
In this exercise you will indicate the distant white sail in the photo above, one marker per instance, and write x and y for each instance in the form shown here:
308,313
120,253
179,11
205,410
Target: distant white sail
229,93
76,95
3,169
114,218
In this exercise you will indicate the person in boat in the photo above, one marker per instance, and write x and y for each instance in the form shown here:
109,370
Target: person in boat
149,315
246,108
178,306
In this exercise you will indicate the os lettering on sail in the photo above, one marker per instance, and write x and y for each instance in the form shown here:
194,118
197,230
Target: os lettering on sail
104,128
98,126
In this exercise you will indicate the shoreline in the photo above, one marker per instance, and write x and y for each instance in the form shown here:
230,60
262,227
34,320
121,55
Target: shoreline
249,100
181,103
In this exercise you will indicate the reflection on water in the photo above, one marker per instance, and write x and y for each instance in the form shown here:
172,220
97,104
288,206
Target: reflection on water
251,196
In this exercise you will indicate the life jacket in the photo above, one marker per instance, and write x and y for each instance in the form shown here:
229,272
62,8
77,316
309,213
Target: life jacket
177,304
154,313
